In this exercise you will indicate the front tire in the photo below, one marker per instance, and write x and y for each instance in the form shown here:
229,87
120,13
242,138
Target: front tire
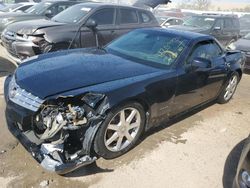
229,89
120,131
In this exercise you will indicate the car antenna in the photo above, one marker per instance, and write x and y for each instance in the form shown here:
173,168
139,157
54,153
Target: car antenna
91,24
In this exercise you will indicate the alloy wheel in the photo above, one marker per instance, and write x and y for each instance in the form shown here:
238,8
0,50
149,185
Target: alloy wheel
231,87
122,129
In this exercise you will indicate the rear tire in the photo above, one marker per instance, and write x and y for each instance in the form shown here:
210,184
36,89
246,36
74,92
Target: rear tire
229,89
120,131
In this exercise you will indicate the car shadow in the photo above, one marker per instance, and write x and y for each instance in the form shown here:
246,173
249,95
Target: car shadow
88,170
6,67
175,120
94,169
231,164
247,71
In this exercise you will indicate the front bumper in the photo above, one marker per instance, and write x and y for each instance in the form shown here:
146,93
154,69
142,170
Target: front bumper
19,50
19,121
43,157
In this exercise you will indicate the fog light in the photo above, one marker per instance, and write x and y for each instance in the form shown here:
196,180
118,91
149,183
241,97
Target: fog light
246,178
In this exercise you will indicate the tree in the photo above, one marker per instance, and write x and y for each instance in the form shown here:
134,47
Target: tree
202,4
195,4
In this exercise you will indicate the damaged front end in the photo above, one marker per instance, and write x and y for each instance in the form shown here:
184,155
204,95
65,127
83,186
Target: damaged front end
58,132
22,46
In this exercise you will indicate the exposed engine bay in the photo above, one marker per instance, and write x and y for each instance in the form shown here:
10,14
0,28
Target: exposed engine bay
53,119
62,132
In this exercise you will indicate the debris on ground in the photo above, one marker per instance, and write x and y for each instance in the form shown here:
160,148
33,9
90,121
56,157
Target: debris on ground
3,151
44,183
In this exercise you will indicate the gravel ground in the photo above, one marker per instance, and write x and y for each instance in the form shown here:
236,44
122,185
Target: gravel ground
199,150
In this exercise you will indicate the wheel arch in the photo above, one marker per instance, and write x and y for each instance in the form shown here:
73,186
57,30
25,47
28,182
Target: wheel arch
239,71
138,100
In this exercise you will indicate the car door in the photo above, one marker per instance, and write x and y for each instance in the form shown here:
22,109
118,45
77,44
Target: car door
218,31
217,72
106,28
228,31
197,85
127,20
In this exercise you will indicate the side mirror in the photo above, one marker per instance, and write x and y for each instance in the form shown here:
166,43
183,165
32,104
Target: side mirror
48,13
201,63
217,28
91,24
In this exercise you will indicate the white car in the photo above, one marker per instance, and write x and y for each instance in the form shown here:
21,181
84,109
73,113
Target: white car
19,7
169,21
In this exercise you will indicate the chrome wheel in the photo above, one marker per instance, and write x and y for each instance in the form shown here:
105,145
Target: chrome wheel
230,89
122,129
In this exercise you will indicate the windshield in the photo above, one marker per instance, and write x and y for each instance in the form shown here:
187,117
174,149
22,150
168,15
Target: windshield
38,8
149,46
10,7
200,21
72,15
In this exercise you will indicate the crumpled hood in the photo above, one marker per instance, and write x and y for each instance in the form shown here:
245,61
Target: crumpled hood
188,28
243,45
59,72
29,27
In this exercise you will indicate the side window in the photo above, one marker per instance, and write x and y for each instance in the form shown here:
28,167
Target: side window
228,24
25,7
206,50
179,22
61,8
104,16
171,22
200,51
128,16
145,17
214,50
57,8
236,23
219,23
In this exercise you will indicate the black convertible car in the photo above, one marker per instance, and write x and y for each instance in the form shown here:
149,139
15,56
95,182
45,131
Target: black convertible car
68,108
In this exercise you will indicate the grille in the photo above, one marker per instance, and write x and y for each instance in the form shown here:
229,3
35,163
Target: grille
23,98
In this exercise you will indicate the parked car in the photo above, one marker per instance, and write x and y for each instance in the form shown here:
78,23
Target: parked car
242,178
169,21
19,7
243,44
150,4
177,13
244,25
67,108
46,9
2,5
225,28
26,39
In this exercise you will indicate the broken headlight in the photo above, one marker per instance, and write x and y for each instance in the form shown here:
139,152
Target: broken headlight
52,119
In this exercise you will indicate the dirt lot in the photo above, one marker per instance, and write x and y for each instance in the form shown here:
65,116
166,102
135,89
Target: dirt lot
199,150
